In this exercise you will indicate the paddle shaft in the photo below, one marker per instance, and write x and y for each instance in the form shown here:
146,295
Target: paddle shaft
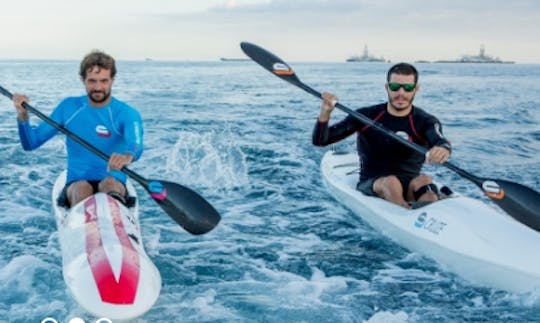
294,80
76,138
279,68
366,120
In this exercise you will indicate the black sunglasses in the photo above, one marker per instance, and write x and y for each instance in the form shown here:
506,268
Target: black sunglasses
408,87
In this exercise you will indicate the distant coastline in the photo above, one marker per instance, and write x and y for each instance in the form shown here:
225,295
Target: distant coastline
233,59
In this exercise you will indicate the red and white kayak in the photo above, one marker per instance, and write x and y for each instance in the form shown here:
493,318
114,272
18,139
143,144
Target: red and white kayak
105,265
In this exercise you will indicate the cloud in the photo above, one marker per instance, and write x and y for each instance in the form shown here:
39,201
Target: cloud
315,30
388,7
399,30
288,7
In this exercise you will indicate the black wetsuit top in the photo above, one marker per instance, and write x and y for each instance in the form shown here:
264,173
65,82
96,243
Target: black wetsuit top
381,155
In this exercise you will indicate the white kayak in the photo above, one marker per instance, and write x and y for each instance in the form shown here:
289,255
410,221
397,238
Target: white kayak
105,266
466,236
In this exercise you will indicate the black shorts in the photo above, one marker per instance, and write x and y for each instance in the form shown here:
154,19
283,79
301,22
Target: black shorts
365,185
63,200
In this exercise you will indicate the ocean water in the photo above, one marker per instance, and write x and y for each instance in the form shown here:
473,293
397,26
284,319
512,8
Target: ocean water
285,250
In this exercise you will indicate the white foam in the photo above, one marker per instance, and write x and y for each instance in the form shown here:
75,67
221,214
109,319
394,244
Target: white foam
388,317
315,287
21,269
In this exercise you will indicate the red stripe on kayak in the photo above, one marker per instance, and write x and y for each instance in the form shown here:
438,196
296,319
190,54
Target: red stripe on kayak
123,290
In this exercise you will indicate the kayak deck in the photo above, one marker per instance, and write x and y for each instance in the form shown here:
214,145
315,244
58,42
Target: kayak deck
105,266
465,235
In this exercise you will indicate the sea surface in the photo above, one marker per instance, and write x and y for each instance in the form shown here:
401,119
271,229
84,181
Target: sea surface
285,250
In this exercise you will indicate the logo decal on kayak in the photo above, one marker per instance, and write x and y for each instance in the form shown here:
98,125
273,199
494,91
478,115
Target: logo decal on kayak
429,224
112,289
102,131
420,220
282,69
493,190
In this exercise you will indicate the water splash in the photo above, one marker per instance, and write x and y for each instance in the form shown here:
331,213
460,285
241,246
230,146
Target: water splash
209,160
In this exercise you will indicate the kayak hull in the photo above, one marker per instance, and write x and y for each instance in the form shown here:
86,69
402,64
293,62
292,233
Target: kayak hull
466,236
105,266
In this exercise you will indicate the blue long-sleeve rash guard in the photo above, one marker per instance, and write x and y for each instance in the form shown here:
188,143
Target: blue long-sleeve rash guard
115,128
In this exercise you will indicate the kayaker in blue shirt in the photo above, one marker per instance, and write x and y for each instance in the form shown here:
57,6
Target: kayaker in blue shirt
105,122
389,169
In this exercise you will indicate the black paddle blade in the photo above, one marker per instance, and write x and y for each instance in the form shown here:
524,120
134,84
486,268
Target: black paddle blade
270,62
183,205
519,201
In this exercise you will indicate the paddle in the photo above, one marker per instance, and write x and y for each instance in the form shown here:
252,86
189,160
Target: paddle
519,201
183,205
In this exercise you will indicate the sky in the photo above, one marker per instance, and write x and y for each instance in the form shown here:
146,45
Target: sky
295,30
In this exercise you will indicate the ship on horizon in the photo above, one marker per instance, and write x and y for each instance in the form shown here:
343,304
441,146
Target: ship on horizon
482,57
365,57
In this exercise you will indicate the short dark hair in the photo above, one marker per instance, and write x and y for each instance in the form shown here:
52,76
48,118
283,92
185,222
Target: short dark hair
97,58
402,69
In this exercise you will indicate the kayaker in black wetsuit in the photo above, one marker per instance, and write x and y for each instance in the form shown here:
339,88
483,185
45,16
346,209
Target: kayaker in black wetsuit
390,169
